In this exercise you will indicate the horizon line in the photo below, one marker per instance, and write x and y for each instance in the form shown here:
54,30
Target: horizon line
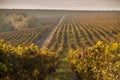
63,9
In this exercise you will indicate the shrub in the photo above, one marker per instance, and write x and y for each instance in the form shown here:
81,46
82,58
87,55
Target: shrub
100,62
26,62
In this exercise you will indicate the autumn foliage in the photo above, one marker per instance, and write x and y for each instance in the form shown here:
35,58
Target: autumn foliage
26,62
99,62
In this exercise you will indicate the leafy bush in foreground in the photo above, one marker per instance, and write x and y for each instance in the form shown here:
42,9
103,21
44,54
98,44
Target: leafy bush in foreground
100,62
26,62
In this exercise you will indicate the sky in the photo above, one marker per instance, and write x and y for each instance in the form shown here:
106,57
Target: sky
62,4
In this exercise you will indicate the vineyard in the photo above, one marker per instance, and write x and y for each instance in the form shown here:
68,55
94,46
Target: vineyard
36,35
63,45
79,31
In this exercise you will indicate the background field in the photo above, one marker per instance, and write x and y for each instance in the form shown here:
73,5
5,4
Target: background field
60,30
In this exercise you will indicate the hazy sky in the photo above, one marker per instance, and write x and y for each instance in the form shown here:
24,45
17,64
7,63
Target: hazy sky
62,4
